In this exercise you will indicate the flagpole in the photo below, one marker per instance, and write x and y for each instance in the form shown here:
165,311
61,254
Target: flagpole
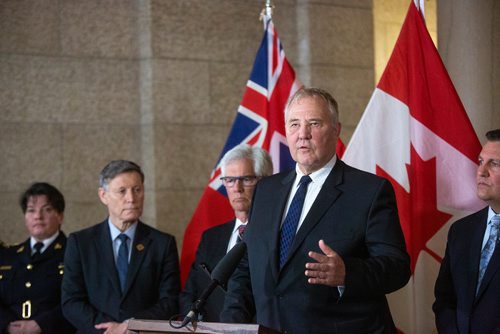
267,11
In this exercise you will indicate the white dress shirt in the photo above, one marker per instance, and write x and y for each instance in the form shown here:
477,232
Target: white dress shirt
234,234
46,243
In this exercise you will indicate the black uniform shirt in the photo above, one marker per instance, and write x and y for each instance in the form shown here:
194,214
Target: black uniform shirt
30,288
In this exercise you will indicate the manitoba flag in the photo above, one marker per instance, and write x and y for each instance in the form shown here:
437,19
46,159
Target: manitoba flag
416,133
259,122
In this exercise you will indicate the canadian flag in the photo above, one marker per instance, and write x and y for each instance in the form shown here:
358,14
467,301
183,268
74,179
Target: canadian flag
416,133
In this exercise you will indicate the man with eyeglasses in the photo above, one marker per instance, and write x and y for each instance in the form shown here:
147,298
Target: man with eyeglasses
241,168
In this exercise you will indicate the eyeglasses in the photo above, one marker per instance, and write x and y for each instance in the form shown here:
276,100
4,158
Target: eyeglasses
247,181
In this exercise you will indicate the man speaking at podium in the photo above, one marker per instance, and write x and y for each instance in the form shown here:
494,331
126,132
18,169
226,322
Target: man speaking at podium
324,243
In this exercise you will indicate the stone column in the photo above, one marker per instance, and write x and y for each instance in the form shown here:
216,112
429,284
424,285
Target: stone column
469,44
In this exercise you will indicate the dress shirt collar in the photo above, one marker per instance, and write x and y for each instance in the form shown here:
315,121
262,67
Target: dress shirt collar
234,235
491,213
318,176
46,242
237,224
115,232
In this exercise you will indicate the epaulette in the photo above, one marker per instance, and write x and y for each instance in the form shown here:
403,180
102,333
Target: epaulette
4,245
12,245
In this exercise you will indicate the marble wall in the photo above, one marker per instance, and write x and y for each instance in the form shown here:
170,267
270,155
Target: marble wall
159,82
154,81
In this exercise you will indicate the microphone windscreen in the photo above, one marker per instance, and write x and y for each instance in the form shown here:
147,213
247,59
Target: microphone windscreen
225,268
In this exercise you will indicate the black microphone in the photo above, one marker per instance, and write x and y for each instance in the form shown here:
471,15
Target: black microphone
220,275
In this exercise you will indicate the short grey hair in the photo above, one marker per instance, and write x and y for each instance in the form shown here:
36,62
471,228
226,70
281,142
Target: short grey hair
262,162
312,92
115,168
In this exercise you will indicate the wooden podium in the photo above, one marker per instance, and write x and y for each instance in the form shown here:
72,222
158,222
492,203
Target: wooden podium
163,326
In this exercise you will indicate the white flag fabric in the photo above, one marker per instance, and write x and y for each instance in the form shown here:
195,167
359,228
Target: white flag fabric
416,133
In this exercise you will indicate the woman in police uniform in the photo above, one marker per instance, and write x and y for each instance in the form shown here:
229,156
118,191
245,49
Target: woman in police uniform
31,272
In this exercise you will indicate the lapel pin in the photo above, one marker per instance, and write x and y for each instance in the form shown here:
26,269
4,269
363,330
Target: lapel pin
20,249
57,246
140,247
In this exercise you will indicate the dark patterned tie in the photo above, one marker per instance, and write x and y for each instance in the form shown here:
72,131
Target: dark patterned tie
122,260
488,249
241,230
38,250
289,227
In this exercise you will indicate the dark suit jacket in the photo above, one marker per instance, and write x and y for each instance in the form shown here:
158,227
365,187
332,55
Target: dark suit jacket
355,213
457,308
37,280
212,248
91,289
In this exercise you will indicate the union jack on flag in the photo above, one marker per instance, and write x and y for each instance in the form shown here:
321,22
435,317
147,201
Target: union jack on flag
259,122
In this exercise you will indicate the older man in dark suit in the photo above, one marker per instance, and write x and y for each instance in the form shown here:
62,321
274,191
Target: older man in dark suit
324,244
241,168
121,268
468,285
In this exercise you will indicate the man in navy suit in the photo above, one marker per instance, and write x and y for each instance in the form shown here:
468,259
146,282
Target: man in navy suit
241,168
329,271
121,268
468,298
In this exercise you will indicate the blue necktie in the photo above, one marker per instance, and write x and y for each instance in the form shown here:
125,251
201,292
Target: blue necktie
291,222
122,260
488,249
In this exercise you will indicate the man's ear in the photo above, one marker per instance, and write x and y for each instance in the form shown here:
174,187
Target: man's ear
103,195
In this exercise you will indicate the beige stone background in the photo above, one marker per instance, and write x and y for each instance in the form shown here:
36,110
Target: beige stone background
83,82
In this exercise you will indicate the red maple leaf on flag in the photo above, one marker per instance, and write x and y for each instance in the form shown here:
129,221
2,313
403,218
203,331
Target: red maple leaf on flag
420,218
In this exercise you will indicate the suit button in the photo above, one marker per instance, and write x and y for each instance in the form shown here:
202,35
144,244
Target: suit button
29,266
27,284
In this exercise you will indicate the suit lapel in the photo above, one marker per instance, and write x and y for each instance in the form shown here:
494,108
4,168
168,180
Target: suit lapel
140,247
221,241
104,247
326,197
474,254
276,216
